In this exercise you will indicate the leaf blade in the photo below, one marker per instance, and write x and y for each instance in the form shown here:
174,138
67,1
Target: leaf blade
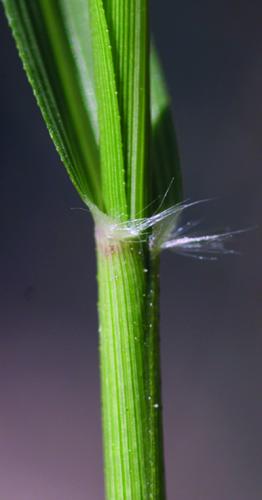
112,160
128,22
165,160
61,102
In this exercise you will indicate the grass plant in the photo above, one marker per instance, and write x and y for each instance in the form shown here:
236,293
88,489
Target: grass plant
101,91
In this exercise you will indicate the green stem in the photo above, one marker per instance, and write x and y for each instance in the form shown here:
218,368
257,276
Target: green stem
129,353
156,473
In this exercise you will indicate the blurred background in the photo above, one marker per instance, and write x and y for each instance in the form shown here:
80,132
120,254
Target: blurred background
211,317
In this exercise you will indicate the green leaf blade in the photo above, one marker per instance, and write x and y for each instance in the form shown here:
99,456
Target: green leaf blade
77,24
128,22
112,161
165,161
44,47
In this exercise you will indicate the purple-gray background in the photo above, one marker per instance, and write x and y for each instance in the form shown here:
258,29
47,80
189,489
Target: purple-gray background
50,444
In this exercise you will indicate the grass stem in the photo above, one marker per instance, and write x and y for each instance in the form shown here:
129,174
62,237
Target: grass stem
131,405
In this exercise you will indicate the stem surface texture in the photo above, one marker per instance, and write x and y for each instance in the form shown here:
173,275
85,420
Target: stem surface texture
130,375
